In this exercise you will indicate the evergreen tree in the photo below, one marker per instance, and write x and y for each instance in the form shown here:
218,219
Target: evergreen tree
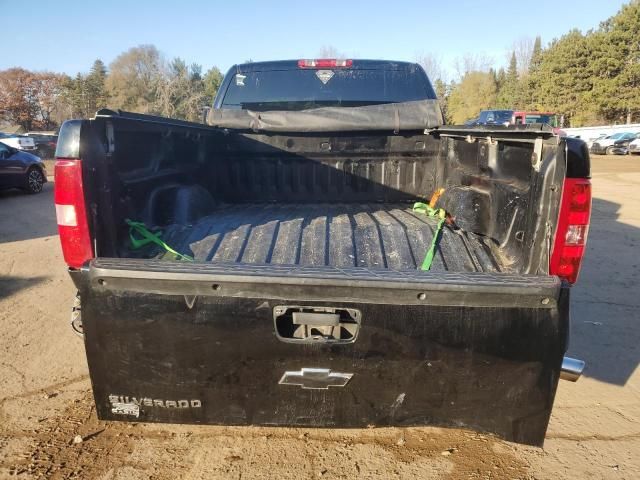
563,77
615,66
75,95
508,92
501,77
86,94
529,95
212,81
536,55
95,87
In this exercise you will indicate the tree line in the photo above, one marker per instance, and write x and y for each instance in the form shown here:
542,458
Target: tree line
590,78
139,80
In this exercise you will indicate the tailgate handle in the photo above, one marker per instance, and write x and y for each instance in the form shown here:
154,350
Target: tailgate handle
316,319
313,324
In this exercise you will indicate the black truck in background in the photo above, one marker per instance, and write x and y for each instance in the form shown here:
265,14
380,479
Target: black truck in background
270,267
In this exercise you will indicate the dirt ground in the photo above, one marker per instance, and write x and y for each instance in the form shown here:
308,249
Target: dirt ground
45,398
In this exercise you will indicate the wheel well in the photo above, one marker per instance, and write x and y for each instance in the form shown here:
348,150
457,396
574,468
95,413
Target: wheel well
35,167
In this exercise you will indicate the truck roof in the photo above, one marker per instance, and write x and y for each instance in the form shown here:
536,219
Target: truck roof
532,112
358,64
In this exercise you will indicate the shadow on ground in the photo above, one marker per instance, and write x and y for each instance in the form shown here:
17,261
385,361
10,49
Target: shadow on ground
605,303
10,285
24,216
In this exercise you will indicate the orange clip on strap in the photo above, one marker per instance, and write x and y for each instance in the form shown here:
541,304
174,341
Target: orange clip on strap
435,197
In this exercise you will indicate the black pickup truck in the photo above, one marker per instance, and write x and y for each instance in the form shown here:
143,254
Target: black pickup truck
270,267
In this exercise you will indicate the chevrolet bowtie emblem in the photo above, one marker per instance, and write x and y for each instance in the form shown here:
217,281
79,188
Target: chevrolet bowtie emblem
315,378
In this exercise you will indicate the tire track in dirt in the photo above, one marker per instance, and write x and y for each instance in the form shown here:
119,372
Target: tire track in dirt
133,450
55,454
48,388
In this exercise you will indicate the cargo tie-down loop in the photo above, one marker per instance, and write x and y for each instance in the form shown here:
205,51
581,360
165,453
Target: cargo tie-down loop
439,213
146,237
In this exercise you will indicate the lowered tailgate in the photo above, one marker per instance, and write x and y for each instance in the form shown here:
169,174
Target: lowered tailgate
322,346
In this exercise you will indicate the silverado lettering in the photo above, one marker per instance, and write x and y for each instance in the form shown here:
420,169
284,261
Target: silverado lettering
153,402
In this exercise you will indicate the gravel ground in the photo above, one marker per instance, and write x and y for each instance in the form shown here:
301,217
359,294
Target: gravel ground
45,399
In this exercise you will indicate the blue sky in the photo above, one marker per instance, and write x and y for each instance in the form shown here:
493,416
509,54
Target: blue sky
67,36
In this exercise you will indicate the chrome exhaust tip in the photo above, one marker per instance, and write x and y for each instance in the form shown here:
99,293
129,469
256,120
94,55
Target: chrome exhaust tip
571,369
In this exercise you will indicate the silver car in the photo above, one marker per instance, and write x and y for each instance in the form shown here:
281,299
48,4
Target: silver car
20,142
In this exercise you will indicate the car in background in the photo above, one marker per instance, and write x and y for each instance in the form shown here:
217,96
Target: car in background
491,117
524,117
19,142
613,144
548,118
592,140
515,117
45,143
621,147
634,146
20,169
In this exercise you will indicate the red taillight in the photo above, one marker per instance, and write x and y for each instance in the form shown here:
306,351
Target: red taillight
571,233
325,63
70,212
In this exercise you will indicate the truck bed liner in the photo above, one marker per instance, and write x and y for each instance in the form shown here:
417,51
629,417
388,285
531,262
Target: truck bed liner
374,235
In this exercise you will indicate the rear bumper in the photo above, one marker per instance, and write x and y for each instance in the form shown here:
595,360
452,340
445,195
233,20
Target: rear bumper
619,150
571,369
196,343
615,149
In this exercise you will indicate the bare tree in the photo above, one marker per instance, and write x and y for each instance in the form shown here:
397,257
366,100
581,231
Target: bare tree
523,48
433,66
134,78
473,62
329,51
48,98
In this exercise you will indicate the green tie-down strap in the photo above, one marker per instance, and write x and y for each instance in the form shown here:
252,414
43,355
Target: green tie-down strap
140,236
441,215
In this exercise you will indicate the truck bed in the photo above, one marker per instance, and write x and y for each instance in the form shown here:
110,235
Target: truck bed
373,235
306,306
